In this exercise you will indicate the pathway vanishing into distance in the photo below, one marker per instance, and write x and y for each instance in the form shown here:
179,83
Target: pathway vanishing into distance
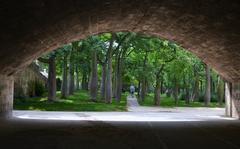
133,106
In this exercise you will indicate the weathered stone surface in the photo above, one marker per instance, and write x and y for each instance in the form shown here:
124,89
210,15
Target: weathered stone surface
6,96
25,81
208,28
235,100
228,101
232,99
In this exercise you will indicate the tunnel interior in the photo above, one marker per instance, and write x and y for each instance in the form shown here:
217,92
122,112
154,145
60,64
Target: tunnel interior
210,30
207,28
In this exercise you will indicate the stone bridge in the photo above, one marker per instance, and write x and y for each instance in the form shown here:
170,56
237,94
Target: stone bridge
208,28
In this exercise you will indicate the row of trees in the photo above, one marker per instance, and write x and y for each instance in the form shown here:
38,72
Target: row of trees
108,63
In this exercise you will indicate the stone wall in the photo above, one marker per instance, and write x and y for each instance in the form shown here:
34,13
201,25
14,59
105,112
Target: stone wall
6,96
26,80
232,99
236,99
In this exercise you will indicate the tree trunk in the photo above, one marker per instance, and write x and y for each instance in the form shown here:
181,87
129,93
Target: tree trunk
213,86
119,81
108,91
114,89
77,78
195,93
186,88
143,89
162,87
71,83
144,80
64,86
187,92
120,62
175,91
52,79
220,91
93,83
201,86
84,81
103,81
139,86
88,80
207,86
157,92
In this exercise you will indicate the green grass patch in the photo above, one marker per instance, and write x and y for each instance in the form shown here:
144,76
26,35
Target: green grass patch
169,102
78,102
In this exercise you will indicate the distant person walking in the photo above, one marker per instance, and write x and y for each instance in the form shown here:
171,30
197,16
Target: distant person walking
132,90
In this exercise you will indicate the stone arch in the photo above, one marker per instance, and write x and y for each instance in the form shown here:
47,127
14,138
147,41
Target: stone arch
209,29
32,28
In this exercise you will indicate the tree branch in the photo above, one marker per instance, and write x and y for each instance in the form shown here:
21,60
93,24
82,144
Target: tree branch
43,60
122,41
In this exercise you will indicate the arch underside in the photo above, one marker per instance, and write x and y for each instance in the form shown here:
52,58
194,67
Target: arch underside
209,29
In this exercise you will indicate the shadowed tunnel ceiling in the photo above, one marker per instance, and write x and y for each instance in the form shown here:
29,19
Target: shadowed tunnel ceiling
208,28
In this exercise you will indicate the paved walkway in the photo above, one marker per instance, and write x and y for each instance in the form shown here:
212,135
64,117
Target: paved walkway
51,134
135,113
132,102
141,127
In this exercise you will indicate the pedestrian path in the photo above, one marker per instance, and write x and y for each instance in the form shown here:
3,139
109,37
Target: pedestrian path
133,106
132,101
135,112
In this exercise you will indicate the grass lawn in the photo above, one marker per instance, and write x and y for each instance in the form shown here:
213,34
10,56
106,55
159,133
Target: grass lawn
169,102
77,102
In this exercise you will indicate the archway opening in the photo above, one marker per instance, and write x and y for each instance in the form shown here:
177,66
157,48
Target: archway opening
209,29
120,71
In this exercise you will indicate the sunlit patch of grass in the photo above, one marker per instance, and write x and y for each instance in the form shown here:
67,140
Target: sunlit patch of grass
36,109
65,101
43,99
